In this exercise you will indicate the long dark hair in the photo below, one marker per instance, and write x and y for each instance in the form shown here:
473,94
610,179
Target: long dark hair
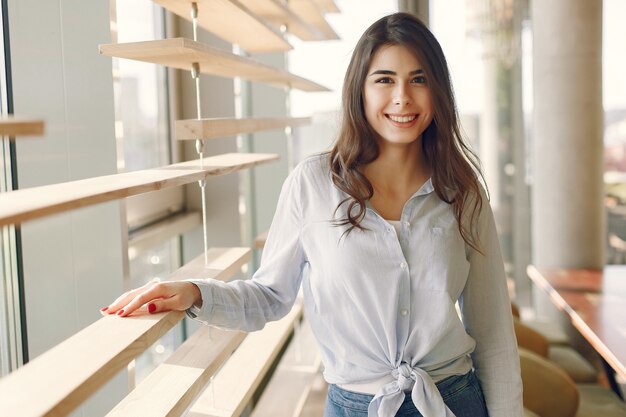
455,168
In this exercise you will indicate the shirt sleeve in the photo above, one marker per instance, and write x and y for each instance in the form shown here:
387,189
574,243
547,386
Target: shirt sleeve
270,294
486,310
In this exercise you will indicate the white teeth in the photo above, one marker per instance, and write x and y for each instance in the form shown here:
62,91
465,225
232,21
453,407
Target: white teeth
402,119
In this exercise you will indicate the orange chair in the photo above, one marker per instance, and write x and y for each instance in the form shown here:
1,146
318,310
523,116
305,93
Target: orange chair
548,390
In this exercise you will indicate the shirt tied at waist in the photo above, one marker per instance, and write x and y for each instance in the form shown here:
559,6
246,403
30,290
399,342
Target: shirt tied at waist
424,394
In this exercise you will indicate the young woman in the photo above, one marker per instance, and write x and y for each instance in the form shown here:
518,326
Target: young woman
385,233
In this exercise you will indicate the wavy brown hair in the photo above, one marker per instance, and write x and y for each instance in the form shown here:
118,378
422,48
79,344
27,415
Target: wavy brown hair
455,168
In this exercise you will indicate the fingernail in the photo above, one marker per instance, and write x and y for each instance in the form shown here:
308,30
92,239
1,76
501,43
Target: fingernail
103,309
119,313
151,308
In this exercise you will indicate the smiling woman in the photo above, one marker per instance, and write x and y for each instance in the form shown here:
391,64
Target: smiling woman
385,233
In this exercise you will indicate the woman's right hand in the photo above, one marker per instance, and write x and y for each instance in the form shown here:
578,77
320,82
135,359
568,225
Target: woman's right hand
157,297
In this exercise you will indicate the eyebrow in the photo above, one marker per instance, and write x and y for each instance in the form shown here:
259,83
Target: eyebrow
388,72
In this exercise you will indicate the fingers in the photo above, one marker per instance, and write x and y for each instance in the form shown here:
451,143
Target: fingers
165,304
123,300
151,294
154,297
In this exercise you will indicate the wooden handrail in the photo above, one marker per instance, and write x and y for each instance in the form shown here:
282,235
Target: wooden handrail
59,380
30,203
182,53
233,386
233,22
220,127
20,126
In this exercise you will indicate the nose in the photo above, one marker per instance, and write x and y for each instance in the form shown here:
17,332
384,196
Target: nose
401,95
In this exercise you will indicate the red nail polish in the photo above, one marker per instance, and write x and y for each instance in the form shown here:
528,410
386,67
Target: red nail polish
119,313
151,308
103,309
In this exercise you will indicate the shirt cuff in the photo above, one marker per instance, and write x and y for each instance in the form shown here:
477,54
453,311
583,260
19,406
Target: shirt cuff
193,311
200,311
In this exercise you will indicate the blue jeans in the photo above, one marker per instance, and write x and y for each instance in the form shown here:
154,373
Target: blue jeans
461,393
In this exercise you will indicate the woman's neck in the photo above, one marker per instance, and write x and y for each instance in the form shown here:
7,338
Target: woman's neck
398,169
395,175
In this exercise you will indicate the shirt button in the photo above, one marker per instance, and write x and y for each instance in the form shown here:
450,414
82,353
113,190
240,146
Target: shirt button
404,312
403,265
407,224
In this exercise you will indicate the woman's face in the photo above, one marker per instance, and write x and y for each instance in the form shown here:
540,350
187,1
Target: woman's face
397,99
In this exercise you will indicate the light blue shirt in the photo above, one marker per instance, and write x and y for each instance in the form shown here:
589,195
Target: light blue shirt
382,303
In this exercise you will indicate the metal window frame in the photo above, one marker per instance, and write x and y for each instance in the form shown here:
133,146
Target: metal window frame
13,334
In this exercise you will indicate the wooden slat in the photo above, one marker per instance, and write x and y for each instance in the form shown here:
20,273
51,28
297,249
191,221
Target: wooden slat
20,126
311,12
279,14
328,6
171,387
291,383
30,203
259,241
233,386
316,400
223,263
181,53
233,22
59,380
215,128
155,234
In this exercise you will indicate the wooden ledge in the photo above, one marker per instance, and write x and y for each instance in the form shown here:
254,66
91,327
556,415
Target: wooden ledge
259,241
328,6
161,231
289,387
280,14
215,128
222,264
233,386
59,380
20,126
63,377
313,13
181,53
30,203
171,387
232,21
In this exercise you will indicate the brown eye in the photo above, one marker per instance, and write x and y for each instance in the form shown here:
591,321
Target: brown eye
419,80
384,80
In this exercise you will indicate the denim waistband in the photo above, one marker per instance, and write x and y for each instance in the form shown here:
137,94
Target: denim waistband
446,386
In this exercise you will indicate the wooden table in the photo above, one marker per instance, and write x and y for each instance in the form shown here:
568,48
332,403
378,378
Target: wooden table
595,301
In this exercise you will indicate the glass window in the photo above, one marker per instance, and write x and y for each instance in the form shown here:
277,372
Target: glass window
614,85
158,262
140,92
143,141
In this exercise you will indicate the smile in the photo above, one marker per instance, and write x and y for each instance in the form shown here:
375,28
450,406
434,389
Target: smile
402,119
